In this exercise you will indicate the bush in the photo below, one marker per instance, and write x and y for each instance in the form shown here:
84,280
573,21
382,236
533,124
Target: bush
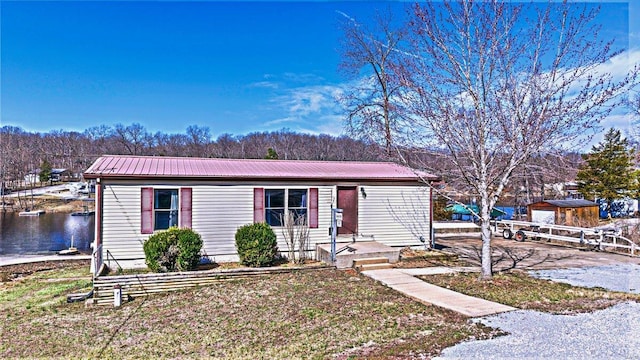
440,212
256,244
173,250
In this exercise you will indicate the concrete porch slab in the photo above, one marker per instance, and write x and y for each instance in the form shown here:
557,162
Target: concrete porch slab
346,252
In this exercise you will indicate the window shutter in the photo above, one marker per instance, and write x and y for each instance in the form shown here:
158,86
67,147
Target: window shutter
258,205
313,208
185,208
146,213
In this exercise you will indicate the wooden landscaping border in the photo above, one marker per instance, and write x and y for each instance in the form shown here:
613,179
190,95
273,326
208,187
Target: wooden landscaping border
138,285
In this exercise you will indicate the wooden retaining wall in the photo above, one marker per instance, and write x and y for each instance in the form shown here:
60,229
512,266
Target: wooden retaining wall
138,285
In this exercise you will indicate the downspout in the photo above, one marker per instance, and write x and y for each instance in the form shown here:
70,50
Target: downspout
431,230
96,260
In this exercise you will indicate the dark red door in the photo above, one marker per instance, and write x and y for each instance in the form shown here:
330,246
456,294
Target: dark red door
348,202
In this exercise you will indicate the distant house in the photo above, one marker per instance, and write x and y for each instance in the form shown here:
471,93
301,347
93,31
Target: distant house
564,212
56,175
564,190
136,196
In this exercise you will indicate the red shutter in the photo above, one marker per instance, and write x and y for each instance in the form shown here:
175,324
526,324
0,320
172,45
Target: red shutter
185,208
258,205
146,214
313,208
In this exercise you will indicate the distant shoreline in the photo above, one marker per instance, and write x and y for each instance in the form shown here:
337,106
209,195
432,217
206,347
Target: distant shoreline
48,203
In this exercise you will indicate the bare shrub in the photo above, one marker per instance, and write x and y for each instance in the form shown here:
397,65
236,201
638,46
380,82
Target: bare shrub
296,234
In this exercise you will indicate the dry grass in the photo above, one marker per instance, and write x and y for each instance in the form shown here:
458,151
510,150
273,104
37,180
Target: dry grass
411,258
518,289
311,314
49,203
307,314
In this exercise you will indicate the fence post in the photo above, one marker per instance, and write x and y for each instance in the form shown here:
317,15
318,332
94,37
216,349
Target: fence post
117,295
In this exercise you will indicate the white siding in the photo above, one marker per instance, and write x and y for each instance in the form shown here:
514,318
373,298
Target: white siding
121,222
217,212
394,215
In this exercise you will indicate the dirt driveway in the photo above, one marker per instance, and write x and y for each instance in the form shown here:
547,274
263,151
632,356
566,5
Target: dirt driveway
530,254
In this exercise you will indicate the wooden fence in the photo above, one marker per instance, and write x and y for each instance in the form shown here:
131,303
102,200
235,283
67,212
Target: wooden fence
138,285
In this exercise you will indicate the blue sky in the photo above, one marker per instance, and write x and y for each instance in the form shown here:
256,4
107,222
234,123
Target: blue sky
236,67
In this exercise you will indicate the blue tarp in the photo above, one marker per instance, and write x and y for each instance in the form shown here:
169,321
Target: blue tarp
462,212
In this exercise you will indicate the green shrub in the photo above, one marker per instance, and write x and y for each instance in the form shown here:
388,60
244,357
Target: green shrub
256,245
173,250
189,246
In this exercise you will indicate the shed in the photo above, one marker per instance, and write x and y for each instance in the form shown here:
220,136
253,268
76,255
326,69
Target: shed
138,195
574,212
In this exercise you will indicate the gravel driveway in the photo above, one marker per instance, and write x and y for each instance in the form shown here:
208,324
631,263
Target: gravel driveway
605,334
613,333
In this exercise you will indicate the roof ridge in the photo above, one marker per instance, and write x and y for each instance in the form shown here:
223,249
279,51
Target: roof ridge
249,159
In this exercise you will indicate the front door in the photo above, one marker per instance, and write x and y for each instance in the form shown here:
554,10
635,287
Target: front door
348,202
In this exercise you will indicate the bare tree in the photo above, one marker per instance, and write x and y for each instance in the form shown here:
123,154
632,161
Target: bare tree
372,104
494,87
199,141
133,138
493,83
634,133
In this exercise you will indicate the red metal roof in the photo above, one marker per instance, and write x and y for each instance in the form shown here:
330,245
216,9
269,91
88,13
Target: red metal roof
116,166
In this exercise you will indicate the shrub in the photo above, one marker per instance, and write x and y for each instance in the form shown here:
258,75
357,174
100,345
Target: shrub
189,246
440,212
173,249
256,244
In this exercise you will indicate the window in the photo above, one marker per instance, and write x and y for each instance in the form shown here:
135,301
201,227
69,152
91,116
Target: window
165,208
274,206
278,201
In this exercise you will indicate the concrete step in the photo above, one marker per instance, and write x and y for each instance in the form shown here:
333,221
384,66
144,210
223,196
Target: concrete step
372,260
366,267
374,263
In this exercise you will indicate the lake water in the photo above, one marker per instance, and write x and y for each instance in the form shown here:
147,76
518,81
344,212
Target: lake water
44,234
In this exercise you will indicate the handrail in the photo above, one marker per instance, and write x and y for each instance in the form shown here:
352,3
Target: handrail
97,260
110,255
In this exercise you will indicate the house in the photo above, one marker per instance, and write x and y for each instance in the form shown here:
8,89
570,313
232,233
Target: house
576,212
565,190
55,175
137,195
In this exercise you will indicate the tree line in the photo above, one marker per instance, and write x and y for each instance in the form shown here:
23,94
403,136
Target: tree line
24,151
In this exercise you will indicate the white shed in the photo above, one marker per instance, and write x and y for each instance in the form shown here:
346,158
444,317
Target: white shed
137,195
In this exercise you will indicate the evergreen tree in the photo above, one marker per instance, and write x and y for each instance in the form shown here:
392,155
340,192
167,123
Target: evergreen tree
608,171
45,171
271,154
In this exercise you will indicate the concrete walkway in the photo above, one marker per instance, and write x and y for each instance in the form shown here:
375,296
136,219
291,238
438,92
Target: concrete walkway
402,280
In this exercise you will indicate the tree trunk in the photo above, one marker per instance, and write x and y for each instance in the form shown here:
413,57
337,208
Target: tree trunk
485,228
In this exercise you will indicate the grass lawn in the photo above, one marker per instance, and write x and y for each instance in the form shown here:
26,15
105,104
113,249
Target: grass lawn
518,289
311,314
